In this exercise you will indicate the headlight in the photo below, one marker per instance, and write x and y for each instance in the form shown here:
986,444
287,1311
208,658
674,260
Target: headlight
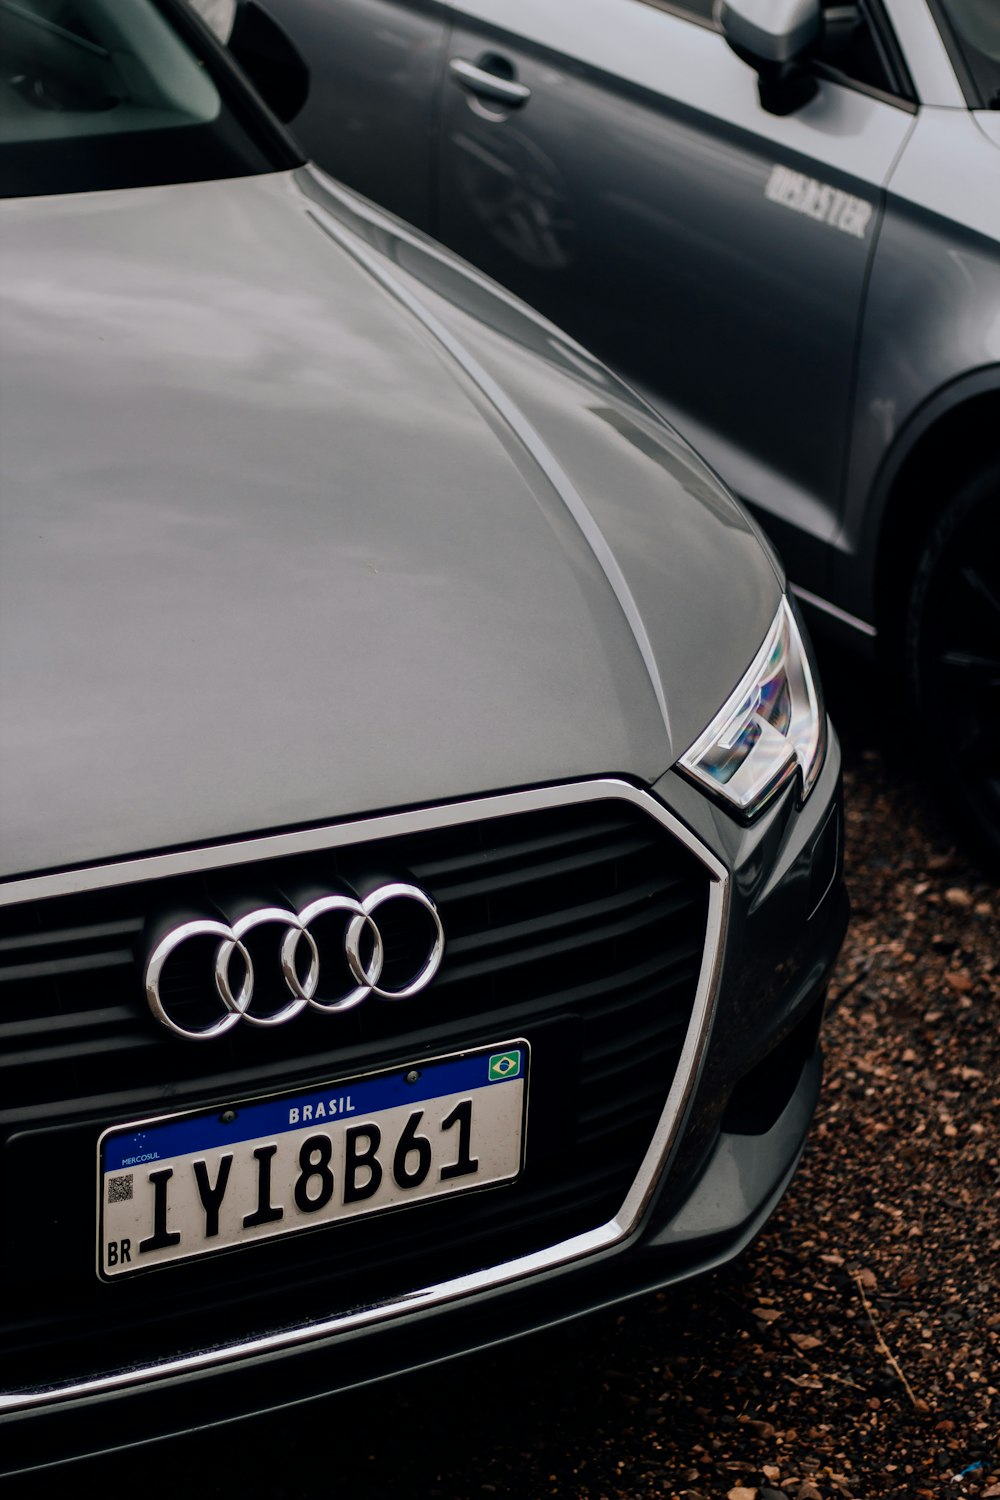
773,722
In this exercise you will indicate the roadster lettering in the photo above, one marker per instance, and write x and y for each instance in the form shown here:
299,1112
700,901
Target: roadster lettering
818,200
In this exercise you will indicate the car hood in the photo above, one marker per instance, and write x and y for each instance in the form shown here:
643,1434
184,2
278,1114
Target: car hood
300,518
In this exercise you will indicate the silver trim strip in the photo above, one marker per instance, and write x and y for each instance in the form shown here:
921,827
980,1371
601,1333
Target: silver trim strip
834,611
581,1246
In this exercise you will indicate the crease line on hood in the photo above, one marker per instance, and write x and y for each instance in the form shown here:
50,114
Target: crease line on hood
522,430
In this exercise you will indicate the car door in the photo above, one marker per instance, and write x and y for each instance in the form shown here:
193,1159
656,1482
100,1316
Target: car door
611,162
374,70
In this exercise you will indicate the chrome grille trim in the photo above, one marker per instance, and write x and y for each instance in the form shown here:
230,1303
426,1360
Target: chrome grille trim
580,1247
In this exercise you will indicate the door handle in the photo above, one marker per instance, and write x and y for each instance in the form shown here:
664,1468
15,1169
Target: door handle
488,85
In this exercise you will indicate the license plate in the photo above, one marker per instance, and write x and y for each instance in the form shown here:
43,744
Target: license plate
188,1185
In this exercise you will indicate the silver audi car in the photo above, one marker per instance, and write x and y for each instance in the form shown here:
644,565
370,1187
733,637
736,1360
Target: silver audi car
419,821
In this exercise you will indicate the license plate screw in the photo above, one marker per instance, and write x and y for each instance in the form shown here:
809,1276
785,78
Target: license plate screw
227,1117
412,1076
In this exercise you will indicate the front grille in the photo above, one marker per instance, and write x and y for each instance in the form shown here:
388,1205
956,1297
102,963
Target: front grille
579,927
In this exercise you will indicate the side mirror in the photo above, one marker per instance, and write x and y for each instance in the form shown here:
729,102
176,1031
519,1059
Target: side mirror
772,36
270,59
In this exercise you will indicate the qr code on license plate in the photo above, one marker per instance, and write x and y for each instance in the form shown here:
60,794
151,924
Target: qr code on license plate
120,1188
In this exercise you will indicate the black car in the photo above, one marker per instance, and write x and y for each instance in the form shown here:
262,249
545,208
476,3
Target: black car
780,223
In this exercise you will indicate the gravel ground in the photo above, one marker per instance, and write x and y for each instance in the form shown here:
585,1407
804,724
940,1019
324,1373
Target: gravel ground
854,1349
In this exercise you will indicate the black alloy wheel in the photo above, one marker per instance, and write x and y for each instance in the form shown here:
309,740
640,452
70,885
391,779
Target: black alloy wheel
953,658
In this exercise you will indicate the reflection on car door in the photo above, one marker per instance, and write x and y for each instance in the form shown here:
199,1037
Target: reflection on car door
374,68
636,192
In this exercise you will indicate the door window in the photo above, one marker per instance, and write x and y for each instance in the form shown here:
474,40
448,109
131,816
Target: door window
857,47
971,28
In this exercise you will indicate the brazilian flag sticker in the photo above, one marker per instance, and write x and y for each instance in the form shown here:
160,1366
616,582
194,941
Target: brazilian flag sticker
504,1065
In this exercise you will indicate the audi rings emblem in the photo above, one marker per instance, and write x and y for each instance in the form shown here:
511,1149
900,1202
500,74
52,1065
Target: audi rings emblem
294,926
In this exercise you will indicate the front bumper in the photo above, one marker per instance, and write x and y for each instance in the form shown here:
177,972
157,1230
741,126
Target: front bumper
739,1131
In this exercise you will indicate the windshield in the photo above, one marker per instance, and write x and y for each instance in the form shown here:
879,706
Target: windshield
975,27
119,93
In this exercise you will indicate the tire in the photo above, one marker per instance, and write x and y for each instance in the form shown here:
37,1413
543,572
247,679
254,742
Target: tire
952,648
